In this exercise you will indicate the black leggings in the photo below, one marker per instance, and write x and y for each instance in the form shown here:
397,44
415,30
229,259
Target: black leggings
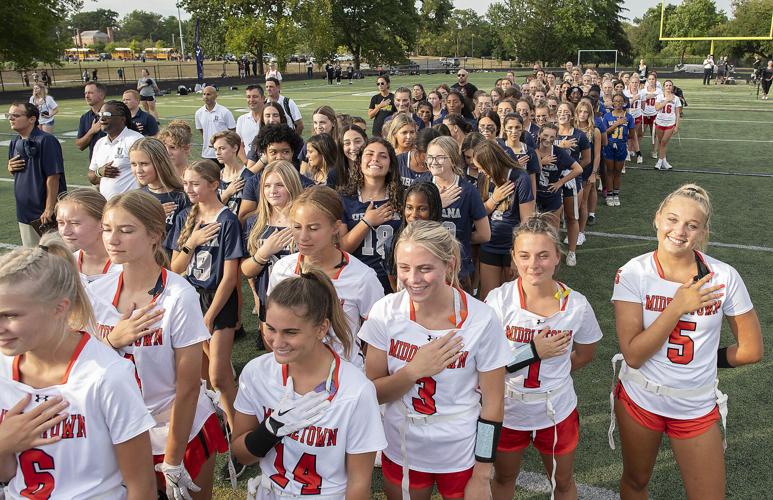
707,76
766,86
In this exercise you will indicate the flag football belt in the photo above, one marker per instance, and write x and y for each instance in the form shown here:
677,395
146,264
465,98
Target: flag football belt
628,374
419,419
547,397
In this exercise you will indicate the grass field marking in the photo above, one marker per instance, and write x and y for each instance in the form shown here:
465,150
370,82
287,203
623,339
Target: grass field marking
534,481
4,179
722,140
697,171
724,121
726,108
736,246
8,246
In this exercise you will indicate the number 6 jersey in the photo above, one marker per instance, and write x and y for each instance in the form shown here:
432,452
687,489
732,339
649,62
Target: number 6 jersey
105,409
688,358
441,446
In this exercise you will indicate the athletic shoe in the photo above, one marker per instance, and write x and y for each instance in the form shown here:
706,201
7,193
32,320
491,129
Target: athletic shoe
623,171
566,240
610,201
659,165
616,200
666,165
654,154
591,219
580,239
640,159
571,259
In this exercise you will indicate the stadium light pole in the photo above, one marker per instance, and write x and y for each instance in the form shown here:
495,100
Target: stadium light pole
180,26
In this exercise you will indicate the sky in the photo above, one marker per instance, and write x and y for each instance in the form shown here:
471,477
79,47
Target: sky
167,7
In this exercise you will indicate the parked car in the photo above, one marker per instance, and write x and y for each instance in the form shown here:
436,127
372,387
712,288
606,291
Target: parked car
450,62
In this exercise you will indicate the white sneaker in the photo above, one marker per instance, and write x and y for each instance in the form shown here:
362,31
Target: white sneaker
666,165
566,240
623,171
654,154
659,165
617,201
639,159
610,200
571,259
580,239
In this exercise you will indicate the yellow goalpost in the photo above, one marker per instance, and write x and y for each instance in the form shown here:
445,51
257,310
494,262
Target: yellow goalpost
708,38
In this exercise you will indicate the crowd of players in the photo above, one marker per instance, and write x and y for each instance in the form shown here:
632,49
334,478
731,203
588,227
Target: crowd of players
413,268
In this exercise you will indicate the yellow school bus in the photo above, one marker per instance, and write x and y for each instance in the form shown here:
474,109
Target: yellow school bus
162,54
81,54
122,54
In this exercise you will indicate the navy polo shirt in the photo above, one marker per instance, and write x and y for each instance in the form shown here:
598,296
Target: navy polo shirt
43,154
145,123
87,120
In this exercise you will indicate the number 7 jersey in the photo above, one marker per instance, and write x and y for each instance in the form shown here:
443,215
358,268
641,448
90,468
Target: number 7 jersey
688,358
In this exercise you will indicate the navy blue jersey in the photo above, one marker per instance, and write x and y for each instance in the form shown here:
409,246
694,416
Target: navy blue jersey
251,190
533,166
534,132
551,172
582,143
235,200
261,280
408,176
620,134
374,248
178,198
146,123
504,221
459,218
205,270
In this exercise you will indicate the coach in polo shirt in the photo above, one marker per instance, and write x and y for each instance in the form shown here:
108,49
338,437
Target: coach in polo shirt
89,129
144,122
248,125
210,119
110,167
35,161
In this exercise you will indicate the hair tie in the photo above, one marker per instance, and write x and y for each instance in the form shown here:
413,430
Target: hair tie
43,247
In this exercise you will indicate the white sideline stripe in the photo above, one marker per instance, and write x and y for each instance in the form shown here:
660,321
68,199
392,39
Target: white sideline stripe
697,171
534,481
3,179
9,246
725,121
652,238
721,140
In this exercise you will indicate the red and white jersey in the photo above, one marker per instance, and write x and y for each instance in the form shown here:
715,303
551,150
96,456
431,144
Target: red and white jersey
648,103
104,411
443,446
576,318
635,102
357,286
666,117
181,325
312,461
108,268
688,359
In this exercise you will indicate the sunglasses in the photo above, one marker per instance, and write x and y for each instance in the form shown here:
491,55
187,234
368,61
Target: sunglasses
379,84
461,75
105,114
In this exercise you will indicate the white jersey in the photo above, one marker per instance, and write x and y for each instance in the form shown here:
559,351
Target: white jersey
357,286
104,411
115,152
576,318
635,102
312,461
666,117
108,268
688,359
648,103
153,355
454,391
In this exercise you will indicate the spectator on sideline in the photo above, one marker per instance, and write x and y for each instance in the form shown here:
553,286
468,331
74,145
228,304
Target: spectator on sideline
145,123
148,89
463,86
294,117
89,129
273,72
381,105
210,119
708,69
46,106
309,70
767,79
248,125
110,167
36,164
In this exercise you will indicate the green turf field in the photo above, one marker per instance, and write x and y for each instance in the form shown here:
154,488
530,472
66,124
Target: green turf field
726,146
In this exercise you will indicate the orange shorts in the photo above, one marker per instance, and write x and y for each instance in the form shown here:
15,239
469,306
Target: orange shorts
450,484
673,427
568,435
208,441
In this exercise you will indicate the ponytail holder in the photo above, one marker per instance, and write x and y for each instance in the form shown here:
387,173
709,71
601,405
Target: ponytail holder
43,247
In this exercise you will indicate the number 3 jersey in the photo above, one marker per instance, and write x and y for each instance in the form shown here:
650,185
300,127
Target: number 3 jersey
688,358
312,461
576,318
104,411
153,355
442,446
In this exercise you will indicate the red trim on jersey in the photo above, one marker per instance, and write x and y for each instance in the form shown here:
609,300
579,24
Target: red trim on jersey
336,371
78,348
119,288
562,301
344,258
80,263
452,318
698,255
